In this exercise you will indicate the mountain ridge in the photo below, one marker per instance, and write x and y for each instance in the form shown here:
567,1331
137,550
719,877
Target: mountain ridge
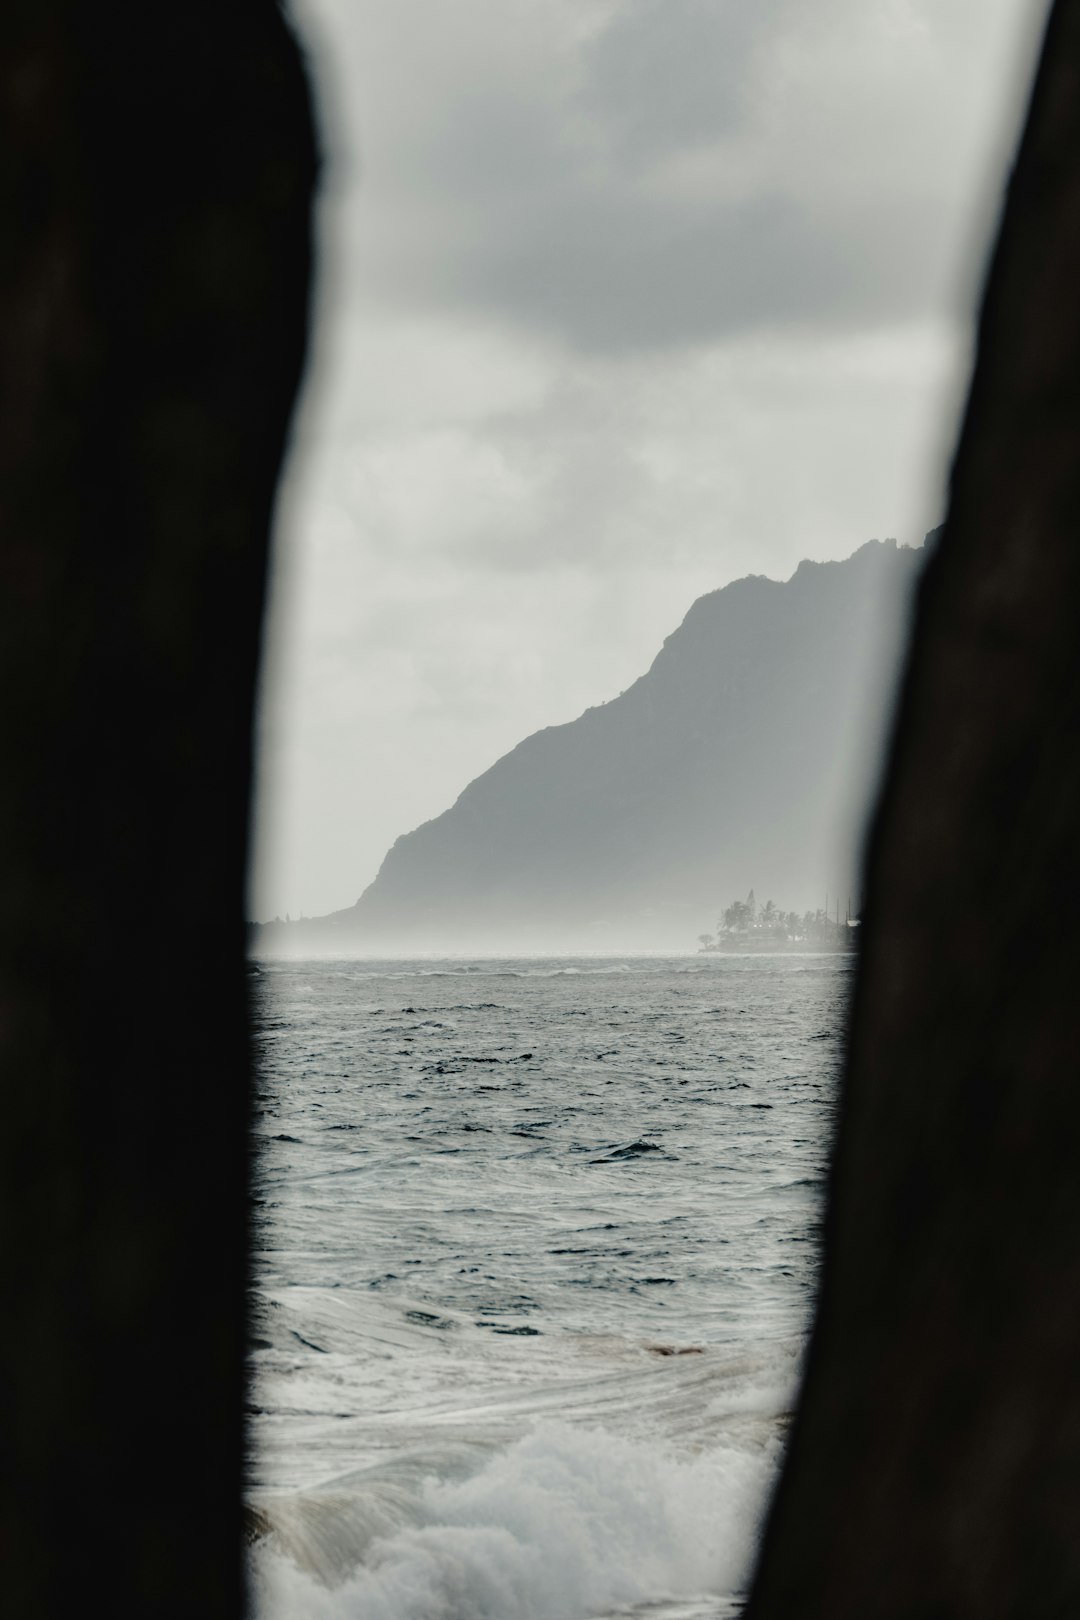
737,759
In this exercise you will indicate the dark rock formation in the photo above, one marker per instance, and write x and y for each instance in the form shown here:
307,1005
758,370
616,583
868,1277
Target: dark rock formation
742,758
934,1468
158,165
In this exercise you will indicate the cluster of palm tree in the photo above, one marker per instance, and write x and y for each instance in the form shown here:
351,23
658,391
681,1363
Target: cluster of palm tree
747,917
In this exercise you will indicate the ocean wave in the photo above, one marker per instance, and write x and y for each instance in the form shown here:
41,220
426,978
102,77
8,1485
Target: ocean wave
563,1524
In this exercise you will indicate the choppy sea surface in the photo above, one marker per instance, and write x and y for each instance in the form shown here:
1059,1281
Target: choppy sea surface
535,1250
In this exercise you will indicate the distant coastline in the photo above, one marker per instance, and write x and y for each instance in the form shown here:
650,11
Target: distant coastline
744,927
748,747
845,939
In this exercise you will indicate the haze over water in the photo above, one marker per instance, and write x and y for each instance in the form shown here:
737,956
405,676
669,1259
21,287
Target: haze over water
535,1252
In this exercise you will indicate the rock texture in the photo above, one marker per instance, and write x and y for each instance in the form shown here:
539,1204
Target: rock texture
934,1466
159,166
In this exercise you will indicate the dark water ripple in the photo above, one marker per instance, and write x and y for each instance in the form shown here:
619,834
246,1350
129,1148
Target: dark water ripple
491,1193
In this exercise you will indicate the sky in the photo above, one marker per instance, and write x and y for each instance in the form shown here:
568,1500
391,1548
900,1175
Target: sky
618,301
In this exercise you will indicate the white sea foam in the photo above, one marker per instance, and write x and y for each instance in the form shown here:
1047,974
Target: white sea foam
505,1367
564,1524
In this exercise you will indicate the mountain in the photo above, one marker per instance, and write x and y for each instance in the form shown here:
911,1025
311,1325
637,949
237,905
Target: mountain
743,758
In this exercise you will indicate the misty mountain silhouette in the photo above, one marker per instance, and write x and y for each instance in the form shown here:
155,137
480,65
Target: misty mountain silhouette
743,758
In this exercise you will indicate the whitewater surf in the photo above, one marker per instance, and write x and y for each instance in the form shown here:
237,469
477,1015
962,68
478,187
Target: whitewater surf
535,1248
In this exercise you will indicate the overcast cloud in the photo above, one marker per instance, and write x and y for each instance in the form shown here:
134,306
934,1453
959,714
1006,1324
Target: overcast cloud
620,300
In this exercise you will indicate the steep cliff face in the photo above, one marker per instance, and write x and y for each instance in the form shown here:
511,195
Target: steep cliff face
742,758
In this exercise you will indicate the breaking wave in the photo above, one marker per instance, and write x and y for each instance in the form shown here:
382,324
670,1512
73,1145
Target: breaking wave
564,1524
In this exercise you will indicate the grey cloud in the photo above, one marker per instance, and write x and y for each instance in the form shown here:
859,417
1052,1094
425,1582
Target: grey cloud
612,273
668,74
503,147
552,204
596,209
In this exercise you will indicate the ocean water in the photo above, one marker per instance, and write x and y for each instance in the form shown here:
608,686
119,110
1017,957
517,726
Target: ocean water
535,1251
